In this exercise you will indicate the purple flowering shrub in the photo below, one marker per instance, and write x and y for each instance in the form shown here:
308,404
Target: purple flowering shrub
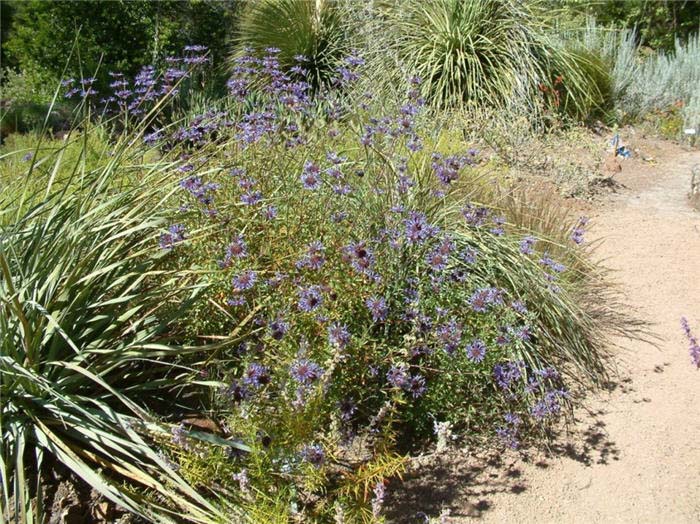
353,297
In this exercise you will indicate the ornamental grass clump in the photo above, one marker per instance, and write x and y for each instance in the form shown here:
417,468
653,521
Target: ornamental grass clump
357,300
312,36
490,54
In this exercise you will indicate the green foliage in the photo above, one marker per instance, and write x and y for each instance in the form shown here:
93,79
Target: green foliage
659,24
495,53
587,92
82,300
422,289
359,200
316,30
124,34
468,52
26,98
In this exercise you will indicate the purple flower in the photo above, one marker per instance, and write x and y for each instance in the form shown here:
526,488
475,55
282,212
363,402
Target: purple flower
270,212
313,454
310,298
484,298
475,216
498,229
361,257
579,230
415,385
236,249
555,266
450,335
476,350
278,328
436,260
237,301
694,348
153,138
237,392
314,258
245,280
523,333
397,375
250,198
549,406
175,234
526,245
447,169
417,228
508,434
507,374
338,335
468,255
256,375
310,176
305,371
377,307
519,307
548,373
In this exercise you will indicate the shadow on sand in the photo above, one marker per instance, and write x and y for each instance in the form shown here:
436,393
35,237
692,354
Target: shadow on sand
461,486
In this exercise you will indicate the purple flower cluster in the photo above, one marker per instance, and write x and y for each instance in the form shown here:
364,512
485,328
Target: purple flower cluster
476,350
579,230
508,433
549,406
305,371
508,374
417,228
360,257
447,168
449,336
310,299
313,454
202,191
438,258
338,335
486,298
244,281
378,308
398,377
236,250
284,88
694,348
256,375
526,245
278,328
548,262
175,235
311,176
148,86
474,215
314,257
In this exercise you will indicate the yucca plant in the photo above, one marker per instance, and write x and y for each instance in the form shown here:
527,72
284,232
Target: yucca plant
84,308
316,30
468,52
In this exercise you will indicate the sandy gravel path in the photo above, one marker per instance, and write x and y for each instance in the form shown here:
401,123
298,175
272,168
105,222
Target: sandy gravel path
635,457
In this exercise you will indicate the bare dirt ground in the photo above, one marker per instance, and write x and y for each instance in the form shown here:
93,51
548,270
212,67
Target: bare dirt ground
633,454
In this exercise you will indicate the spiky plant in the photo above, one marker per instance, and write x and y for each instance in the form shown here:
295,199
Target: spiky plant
82,318
316,30
468,52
